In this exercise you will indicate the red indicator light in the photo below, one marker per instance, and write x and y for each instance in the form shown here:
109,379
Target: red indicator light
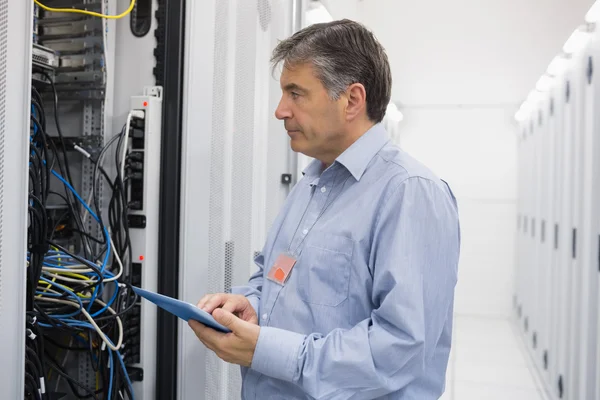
141,258
145,104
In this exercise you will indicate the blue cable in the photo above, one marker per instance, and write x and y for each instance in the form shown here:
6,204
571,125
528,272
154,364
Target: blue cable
123,367
97,290
109,303
64,289
111,366
126,375
35,128
108,248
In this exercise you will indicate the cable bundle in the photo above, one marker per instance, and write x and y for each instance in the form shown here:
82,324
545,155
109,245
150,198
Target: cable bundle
77,300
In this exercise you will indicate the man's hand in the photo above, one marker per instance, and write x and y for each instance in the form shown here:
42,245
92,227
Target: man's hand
234,303
236,347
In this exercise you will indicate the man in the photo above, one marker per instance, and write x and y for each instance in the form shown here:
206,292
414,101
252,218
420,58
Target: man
353,298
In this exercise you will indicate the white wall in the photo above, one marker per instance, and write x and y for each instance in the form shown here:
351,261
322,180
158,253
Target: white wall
473,151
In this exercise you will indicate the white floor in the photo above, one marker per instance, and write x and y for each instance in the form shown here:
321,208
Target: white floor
488,361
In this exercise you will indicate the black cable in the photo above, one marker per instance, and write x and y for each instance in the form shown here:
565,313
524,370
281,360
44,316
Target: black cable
81,233
56,367
57,123
63,171
41,234
32,384
64,347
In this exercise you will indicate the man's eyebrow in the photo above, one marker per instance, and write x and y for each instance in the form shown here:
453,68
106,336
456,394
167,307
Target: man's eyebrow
293,87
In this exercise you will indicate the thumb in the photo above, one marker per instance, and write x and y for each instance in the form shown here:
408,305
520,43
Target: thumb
226,319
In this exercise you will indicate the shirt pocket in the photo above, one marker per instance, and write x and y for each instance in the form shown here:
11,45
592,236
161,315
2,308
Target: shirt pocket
324,270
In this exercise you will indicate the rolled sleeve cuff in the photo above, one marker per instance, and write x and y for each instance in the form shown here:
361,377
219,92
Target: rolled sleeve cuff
276,353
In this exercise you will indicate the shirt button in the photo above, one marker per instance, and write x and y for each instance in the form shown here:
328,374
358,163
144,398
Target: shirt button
323,189
264,317
305,231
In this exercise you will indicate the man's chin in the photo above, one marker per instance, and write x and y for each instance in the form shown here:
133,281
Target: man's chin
296,146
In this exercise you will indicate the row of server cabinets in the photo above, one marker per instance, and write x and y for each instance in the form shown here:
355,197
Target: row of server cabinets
558,254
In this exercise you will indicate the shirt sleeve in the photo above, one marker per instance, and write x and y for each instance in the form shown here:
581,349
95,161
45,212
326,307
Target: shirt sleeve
414,253
253,289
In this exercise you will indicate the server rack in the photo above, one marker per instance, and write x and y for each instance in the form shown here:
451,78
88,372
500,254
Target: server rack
99,69
556,301
15,73
588,338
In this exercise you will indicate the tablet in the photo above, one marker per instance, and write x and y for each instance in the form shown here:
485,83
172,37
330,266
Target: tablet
182,309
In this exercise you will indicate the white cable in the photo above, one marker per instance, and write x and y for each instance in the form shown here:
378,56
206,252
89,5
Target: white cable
114,278
47,289
68,279
82,151
89,198
91,320
125,146
55,272
83,270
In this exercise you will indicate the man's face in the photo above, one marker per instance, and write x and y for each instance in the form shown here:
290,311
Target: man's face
314,122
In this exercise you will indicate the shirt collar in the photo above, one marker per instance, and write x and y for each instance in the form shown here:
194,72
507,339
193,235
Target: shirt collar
357,157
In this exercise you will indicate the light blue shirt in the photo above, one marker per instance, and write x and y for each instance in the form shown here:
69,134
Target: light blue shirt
366,312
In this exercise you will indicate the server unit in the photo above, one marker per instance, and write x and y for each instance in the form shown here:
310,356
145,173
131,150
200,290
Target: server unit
558,230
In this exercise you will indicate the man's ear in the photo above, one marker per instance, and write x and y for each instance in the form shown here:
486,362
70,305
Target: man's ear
357,101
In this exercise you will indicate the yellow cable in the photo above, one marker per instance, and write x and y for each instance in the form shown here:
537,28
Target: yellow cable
73,275
68,287
91,13
47,287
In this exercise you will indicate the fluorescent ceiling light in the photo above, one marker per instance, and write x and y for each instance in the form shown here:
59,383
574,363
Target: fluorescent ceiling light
317,13
544,83
577,41
393,113
593,15
557,66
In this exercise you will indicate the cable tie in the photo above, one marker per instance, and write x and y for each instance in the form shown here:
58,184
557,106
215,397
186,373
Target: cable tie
103,346
31,335
43,384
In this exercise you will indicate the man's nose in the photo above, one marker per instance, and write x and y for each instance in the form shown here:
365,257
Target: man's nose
282,111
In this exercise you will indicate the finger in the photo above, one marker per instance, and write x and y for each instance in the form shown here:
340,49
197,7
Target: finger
234,304
241,307
250,316
207,336
203,301
213,302
227,319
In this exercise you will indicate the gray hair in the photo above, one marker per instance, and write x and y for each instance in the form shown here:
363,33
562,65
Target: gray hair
342,52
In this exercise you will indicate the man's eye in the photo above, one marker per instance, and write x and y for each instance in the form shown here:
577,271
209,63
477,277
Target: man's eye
295,95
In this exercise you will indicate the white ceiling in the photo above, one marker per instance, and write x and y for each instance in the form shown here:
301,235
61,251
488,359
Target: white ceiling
466,52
